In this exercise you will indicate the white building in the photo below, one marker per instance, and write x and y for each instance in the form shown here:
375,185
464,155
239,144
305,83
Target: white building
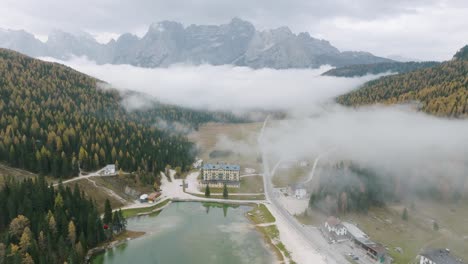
335,231
144,198
197,164
300,193
218,175
109,169
333,225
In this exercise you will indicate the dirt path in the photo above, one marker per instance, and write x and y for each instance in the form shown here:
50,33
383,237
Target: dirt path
108,191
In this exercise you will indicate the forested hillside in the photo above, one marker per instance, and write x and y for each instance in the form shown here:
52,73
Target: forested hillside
441,90
377,68
41,224
462,54
54,120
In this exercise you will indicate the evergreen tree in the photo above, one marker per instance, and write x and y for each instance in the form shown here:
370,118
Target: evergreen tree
107,213
225,192
404,216
58,216
207,190
312,200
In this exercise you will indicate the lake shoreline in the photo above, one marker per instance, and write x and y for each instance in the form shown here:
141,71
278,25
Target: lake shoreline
117,241
268,243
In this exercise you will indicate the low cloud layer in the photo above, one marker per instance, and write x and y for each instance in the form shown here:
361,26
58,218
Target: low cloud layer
393,141
396,141
224,87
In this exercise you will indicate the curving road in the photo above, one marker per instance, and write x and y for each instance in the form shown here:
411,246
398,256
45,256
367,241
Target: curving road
314,239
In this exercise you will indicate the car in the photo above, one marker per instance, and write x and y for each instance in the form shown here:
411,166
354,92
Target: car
355,258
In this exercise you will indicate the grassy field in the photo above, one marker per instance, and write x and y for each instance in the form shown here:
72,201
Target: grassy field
241,139
253,184
385,225
95,193
313,218
118,184
17,174
127,213
285,176
260,215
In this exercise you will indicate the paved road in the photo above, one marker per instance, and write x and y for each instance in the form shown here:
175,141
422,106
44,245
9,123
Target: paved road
316,241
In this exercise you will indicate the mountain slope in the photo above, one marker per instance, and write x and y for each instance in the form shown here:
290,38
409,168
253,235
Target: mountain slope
167,42
441,90
377,68
462,54
54,119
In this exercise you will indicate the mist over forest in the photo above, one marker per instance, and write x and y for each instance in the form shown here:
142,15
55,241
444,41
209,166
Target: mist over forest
395,142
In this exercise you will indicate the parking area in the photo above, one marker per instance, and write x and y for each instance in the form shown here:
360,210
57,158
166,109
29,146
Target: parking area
345,248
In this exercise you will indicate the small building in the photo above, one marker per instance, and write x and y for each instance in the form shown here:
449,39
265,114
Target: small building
374,250
197,164
218,175
109,169
249,170
153,196
335,231
297,190
144,198
438,256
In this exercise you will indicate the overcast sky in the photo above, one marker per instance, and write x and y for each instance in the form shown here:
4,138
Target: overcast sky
421,29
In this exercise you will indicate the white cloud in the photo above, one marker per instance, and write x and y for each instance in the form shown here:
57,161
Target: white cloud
225,87
395,141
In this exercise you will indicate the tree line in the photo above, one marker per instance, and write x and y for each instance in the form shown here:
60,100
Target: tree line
41,224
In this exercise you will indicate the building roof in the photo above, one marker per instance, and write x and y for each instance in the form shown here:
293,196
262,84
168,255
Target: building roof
231,167
154,195
355,231
441,256
372,245
333,221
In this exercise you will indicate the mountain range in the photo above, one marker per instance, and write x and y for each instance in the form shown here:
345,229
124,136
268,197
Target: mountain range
166,43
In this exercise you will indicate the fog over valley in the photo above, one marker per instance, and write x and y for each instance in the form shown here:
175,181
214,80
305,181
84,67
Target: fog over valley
396,141
228,88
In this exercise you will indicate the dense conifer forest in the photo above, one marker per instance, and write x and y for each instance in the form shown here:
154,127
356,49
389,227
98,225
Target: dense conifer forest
441,90
377,68
43,224
55,120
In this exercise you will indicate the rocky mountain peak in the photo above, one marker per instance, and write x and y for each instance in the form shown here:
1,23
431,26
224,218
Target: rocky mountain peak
169,42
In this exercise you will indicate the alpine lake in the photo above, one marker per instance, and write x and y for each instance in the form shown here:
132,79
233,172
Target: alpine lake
192,232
